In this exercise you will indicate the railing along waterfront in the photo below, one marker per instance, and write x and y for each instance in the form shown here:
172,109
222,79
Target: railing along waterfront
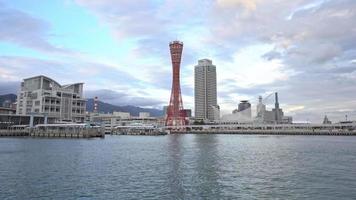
269,129
138,130
15,130
55,130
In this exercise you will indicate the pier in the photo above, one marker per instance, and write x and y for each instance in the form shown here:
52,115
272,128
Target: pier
16,130
345,129
138,130
54,130
85,131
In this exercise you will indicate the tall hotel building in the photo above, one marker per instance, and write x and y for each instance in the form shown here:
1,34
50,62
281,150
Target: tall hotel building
205,90
42,95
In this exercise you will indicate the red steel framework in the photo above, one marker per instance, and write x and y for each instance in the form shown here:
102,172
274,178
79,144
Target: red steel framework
176,116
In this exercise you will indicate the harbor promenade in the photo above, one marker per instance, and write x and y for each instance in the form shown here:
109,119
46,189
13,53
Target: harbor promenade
54,130
346,129
83,131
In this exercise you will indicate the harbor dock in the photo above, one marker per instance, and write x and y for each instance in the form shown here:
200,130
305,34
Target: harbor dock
138,130
85,131
54,130
344,129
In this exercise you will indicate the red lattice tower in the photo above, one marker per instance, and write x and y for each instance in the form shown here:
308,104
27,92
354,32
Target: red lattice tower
175,113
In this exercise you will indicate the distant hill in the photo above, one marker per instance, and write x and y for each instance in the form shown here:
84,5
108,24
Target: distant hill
133,110
9,97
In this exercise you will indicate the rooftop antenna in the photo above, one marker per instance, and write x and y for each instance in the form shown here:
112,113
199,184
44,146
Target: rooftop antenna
96,105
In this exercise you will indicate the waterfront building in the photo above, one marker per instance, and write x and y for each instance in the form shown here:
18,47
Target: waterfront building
275,116
109,121
143,114
244,108
10,119
188,112
240,115
205,92
122,115
216,110
43,95
7,110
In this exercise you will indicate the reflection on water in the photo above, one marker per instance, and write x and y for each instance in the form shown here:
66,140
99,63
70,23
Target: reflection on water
207,168
175,177
179,167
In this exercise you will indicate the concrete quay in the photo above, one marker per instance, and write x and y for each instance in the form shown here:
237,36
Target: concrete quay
347,129
138,130
17,133
87,133
53,131
273,132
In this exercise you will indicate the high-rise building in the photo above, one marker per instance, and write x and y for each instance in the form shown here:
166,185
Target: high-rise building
43,95
205,90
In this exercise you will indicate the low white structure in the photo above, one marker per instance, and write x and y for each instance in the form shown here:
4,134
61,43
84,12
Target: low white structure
144,115
122,115
238,117
110,121
216,110
275,116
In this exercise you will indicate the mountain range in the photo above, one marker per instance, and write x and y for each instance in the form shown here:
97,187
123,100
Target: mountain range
102,106
133,110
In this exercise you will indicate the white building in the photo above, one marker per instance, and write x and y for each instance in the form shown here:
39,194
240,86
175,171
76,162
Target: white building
43,95
275,116
122,115
243,116
110,121
205,93
144,115
216,109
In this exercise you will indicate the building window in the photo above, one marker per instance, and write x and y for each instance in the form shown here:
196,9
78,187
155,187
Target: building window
34,95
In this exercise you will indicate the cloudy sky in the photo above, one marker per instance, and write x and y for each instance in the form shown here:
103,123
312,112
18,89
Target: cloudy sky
304,49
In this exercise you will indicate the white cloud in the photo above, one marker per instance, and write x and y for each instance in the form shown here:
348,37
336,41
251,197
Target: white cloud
247,4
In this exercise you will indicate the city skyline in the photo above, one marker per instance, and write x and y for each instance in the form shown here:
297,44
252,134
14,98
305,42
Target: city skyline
305,50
